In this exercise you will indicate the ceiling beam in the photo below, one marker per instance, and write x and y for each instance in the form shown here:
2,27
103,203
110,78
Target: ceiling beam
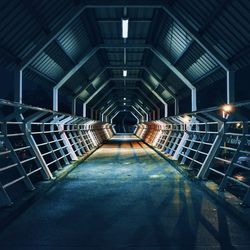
157,109
137,89
134,97
149,87
120,67
184,24
128,102
155,51
119,111
118,20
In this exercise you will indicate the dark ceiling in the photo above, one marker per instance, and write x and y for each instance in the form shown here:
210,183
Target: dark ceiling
79,44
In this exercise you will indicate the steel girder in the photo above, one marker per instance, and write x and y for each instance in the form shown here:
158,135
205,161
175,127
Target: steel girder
121,101
112,117
145,46
130,79
115,101
135,94
137,89
122,108
136,67
182,21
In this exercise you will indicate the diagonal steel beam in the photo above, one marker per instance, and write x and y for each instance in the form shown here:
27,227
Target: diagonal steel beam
184,24
93,51
180,76
145,97
146,84
119,111
140,67
134,102
137,111
148,71
135,97
138,89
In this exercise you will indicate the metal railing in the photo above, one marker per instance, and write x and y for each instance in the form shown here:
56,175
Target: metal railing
35,142
210,145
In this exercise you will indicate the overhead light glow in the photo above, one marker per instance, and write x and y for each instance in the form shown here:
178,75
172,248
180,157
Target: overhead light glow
125,28
125,73
227,108
124,98
124,103
186,119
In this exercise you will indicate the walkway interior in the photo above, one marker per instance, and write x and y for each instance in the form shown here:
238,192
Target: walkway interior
125,196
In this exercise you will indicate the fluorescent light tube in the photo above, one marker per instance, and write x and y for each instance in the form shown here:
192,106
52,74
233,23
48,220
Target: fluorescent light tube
125,73
125,28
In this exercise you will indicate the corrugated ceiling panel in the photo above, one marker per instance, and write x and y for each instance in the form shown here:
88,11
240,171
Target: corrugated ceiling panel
74,40
197,12
175,82
92,66
54,11
140,13
196,62
48,66
76,81
19,30
200,67
174,40
219,74
109,12
58,55
158,67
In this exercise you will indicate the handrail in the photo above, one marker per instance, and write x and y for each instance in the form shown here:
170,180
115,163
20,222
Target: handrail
30,107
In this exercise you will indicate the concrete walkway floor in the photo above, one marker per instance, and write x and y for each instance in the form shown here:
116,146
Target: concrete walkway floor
125,196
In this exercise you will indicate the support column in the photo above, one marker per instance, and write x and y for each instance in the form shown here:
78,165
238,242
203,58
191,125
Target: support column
153,115
18,94
149,116
74,106
193,99
92,114
230,86
55,99
176,106
84,110
165,110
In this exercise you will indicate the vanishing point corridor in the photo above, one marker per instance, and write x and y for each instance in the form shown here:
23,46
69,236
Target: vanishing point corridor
125,196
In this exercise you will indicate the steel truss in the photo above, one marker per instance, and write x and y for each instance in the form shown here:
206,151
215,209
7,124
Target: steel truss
210,147
36,143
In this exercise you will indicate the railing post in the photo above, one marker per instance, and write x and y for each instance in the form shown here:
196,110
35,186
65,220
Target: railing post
202,174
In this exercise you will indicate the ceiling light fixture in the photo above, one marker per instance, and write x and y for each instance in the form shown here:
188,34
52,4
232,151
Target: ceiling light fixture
124,98
186,119
125,28
227,108
124,103
125,73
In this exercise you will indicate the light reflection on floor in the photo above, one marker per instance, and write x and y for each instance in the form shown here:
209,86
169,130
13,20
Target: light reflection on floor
125,196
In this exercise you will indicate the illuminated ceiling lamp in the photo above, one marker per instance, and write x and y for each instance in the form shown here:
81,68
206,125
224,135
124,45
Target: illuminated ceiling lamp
226,110
125,73
186,119
125,28
124,98
124,103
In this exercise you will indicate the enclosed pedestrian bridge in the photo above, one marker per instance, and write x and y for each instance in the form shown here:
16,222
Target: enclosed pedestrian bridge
124,124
